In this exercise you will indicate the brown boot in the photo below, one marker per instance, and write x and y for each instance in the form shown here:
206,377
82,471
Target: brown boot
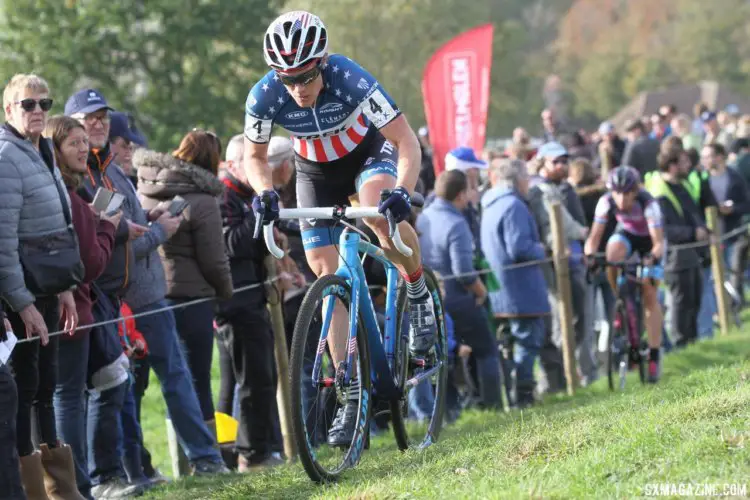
32,476
60,473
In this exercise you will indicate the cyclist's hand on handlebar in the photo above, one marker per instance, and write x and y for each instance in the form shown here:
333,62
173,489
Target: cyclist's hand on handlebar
648,260
397,201
266,206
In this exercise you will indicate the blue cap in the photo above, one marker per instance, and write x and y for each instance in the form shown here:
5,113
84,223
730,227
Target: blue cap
707,116
86,101
552,150
606,128
119,126
463,158
732,109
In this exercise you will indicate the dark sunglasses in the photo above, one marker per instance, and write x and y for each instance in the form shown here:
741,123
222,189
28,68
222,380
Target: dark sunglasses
303,79
563,160
29,104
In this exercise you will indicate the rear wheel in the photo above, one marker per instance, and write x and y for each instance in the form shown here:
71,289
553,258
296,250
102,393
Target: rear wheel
316,399
428,395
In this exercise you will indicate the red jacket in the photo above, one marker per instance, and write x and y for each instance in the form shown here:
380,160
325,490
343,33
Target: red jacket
95,242
129,335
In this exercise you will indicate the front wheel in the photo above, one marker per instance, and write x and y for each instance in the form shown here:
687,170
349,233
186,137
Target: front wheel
317,388
422,427
617,349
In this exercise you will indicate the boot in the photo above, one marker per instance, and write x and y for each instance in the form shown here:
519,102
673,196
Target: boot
32,476
60,473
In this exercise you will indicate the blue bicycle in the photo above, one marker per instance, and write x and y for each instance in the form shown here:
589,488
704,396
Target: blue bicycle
377,362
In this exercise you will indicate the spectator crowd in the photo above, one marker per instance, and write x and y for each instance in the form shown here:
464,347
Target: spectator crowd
116,260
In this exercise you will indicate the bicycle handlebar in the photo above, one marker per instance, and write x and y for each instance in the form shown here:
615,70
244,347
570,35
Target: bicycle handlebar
333,213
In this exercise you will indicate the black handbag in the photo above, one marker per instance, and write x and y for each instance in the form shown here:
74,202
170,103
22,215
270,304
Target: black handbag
52,263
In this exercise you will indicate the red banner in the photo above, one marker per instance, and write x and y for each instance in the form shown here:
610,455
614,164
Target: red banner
456,91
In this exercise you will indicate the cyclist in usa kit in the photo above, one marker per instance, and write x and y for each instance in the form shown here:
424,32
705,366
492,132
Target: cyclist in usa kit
349,138
631,220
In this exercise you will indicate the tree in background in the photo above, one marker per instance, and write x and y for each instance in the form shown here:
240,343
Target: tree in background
394,39
609,50
177,64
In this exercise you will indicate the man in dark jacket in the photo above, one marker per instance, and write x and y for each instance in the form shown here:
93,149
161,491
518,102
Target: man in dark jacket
682,225
641,150
244,326
733,198
740,152
447,247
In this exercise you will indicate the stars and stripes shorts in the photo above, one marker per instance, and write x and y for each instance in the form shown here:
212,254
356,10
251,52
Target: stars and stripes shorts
332,183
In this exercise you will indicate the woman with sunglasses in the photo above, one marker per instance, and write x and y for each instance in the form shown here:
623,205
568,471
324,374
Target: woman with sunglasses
350,138
34,206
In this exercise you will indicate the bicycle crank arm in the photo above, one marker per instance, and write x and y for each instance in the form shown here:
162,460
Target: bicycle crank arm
412,382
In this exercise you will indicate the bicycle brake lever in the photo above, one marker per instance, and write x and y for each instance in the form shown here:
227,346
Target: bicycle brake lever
258,221
391,223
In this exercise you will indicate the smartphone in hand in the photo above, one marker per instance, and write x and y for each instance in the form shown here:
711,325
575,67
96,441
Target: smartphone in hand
177,206
101,199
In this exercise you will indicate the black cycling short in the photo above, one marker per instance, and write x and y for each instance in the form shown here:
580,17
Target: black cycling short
634,243
332,183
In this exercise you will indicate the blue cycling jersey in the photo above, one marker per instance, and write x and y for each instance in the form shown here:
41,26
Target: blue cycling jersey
350,103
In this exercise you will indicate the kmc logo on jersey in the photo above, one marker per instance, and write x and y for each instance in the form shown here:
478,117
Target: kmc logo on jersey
331,107
296,115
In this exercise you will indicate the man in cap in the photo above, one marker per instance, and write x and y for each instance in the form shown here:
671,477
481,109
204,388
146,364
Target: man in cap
554,170
122,140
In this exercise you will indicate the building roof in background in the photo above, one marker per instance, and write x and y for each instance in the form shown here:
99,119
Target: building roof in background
717,96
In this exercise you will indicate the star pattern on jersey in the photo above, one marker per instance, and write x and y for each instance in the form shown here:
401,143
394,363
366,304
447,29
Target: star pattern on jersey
265,87
338,92
275,77
324,65
272,109
280,100
265,117
347,73
335,69
348,98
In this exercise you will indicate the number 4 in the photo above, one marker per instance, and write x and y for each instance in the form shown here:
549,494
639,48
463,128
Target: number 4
375,107
257,126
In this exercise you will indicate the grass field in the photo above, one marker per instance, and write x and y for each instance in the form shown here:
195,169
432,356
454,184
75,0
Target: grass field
694,427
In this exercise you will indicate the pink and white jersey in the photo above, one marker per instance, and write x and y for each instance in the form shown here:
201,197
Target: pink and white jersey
644,214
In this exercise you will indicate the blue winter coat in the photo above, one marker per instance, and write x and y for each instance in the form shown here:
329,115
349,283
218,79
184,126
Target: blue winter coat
509,235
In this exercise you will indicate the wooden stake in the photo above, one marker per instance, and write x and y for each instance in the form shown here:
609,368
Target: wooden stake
717,267
564,302
281,354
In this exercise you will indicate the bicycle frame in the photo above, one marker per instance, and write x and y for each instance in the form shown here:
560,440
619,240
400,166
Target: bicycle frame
629,290
381,351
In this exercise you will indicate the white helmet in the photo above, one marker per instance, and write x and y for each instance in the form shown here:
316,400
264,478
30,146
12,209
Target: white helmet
294,39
